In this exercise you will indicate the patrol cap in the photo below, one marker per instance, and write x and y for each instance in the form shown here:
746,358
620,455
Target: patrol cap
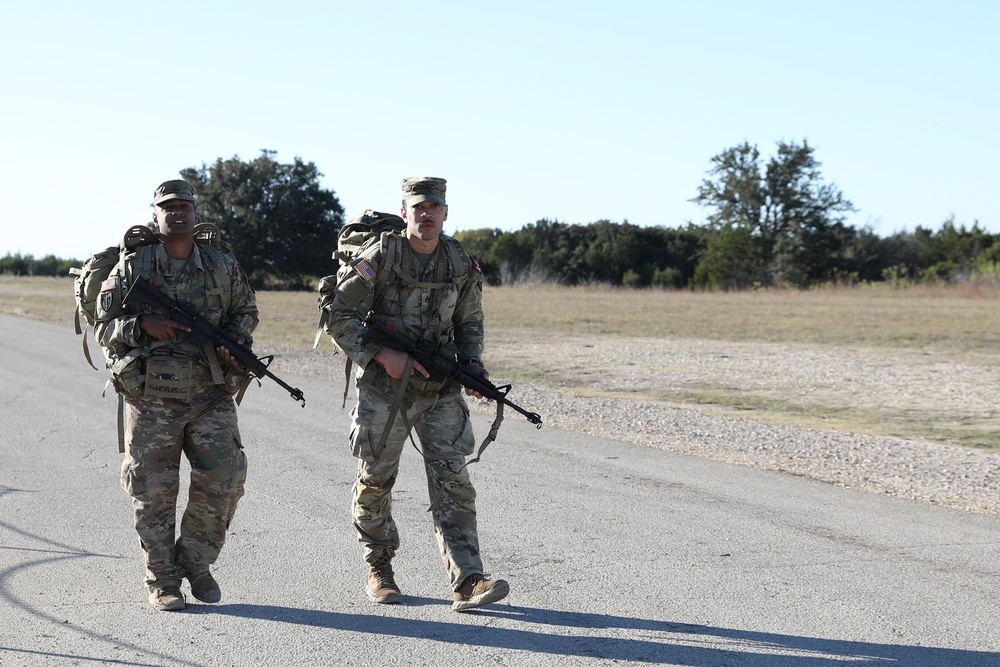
173,190
423,188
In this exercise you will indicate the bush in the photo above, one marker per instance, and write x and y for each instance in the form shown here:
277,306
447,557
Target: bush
632,279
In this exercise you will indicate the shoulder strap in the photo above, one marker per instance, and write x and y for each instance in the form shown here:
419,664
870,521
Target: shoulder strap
142,258
392,251
458,259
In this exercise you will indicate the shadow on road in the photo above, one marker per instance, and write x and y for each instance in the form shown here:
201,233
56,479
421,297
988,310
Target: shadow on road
578,634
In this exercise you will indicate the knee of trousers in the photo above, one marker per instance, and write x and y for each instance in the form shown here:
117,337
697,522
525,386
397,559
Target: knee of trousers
226,478
144,483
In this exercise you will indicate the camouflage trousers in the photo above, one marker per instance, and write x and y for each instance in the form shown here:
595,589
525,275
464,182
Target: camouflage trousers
157,431
442,424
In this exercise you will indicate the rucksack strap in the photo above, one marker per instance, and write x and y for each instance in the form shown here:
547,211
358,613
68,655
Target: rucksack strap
220,288
121,424
347,380
392,252
84,331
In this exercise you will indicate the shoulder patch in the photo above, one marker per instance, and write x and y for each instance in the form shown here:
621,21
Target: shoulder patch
365,270
475,266
110,284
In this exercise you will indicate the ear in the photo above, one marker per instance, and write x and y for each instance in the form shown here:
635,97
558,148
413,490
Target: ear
445,212
402,213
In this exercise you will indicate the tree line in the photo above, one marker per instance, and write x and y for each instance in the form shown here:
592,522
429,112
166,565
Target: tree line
695,257
769,222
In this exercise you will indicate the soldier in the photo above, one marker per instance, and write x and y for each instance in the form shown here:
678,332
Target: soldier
434,292
178,398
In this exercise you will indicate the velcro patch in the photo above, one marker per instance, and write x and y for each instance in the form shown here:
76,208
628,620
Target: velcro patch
475,266
365,270
110,284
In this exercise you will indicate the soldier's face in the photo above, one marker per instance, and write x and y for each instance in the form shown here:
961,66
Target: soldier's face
174,217
425,220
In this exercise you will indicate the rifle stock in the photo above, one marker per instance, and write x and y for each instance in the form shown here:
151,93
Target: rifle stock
202,331
440,366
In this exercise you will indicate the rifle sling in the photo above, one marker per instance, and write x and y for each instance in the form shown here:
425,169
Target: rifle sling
397,402
491,436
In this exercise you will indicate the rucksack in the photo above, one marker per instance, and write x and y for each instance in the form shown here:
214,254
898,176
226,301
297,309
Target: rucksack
354,235
89,277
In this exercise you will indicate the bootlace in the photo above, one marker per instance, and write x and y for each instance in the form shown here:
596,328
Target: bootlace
383,570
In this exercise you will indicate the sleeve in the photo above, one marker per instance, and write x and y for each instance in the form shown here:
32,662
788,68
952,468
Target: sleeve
352,301
468,317
243,315
117,327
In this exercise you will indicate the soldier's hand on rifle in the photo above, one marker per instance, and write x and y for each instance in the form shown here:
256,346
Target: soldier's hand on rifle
159,327
394,363
483,374
226,357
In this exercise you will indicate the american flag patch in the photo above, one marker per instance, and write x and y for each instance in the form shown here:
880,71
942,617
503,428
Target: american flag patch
365,270
110,284
475,265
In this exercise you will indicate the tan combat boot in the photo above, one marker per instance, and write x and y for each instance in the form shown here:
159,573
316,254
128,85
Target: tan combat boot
167,598
477,591
382,586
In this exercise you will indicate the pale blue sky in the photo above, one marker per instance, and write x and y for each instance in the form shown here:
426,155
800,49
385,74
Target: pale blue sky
574,111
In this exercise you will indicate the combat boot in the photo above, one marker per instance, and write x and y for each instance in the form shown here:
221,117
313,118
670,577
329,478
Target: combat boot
382,586
167,598
204,587
477,591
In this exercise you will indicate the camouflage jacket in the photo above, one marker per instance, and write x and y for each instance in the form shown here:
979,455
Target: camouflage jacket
440,302
211,280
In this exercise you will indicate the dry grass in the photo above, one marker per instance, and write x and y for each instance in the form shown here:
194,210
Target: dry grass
956,319
957,324
950,319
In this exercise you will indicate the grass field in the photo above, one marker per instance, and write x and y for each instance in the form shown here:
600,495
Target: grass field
956,324
964,319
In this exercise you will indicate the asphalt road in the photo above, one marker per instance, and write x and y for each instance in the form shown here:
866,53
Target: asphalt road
614,552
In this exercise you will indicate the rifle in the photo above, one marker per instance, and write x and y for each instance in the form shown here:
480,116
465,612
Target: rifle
440,366
203,332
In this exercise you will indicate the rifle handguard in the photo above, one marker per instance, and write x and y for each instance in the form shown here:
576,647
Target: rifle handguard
202,331
439,366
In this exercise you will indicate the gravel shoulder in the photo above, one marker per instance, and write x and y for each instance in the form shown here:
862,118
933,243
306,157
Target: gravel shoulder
613,387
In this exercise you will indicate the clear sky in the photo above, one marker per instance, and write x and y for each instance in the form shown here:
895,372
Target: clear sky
568,110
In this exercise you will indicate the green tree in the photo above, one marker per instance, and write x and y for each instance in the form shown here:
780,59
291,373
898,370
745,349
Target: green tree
478,243
15,265
511,254
950,251
791,220
281,223
725,263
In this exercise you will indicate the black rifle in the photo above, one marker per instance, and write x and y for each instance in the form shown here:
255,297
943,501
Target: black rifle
203,332
439,366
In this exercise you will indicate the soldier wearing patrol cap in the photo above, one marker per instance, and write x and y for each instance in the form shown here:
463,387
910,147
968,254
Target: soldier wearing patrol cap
433,293
178,397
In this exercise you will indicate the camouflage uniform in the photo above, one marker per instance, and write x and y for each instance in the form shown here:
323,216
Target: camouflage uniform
184,405
441,302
